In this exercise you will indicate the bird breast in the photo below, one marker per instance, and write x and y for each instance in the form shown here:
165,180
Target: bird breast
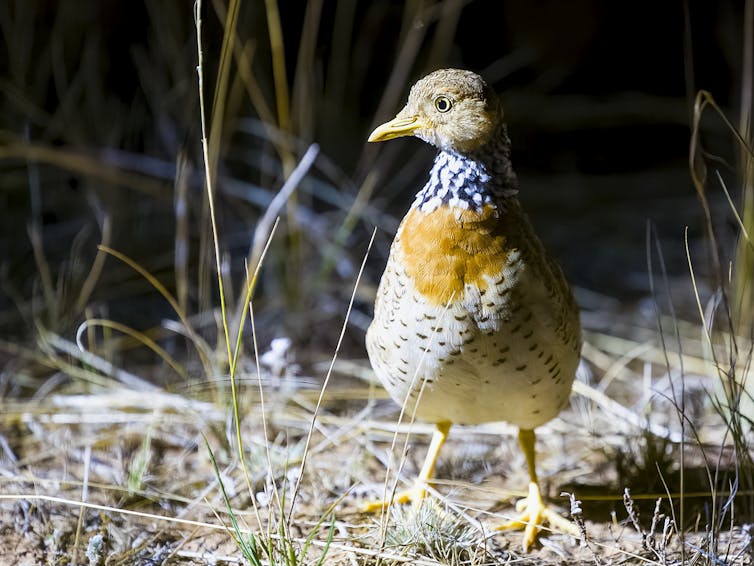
451,249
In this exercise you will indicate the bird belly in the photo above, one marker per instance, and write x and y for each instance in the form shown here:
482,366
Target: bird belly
519,390
486,357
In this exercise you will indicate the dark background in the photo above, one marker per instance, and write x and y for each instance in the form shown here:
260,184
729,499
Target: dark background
598,97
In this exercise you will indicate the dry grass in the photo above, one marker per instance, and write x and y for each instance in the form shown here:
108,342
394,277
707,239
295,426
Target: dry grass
209,401
137,477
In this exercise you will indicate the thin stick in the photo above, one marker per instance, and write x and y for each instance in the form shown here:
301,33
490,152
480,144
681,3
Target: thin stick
84,497
329,373
274,208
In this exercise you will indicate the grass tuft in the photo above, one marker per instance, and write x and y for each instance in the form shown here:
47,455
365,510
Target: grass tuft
430,532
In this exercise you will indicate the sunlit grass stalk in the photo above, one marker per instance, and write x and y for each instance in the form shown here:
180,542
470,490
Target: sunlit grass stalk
247,307
233,356
208,176
723,343
280,548
250,548
210,155
743,293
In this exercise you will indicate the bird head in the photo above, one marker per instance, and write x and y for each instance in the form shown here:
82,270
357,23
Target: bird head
451,109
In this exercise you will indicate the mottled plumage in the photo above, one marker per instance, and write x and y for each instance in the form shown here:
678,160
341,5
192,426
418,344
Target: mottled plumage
472,317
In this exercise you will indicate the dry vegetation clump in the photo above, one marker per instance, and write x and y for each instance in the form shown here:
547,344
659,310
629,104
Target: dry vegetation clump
182,373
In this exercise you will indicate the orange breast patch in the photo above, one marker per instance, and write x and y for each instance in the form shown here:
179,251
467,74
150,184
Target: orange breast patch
448,248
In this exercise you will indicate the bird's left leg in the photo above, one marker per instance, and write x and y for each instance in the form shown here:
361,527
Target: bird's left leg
533,511
418,491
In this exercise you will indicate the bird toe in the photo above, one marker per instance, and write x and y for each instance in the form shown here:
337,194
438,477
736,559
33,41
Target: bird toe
533,515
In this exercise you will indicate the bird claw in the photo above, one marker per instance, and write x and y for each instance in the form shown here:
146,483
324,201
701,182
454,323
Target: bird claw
533,514
415,495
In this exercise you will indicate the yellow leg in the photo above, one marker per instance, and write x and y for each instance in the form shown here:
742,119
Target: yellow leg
533,512
418,492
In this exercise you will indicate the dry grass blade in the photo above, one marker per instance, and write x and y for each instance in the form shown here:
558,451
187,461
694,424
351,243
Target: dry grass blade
278,64
219,99
698,169
80,163
201,346
136,335
97,362
87,287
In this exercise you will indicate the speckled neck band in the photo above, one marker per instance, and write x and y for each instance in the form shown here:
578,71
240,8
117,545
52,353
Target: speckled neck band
471,180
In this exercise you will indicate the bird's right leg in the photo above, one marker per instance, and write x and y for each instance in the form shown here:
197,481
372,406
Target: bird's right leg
533,511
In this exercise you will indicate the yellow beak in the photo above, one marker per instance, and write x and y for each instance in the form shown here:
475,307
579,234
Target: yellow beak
395,128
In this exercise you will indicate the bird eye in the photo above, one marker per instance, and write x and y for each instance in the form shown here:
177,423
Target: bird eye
443,103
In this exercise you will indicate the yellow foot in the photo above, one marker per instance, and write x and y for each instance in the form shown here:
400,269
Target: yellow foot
415,495
534,514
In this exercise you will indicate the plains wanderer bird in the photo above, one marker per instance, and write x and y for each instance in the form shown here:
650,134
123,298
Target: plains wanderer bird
473,321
